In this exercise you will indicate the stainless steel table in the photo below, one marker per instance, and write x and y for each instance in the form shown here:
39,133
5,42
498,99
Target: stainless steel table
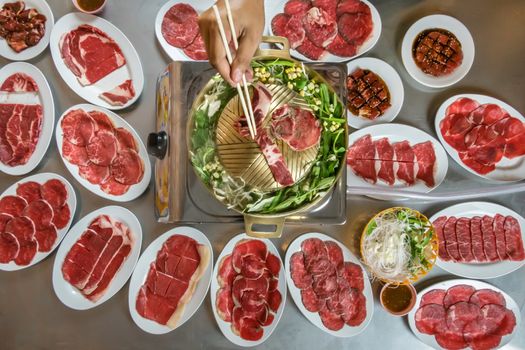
31,316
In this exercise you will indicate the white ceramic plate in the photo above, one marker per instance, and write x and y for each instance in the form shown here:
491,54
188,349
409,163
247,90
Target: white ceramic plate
44,97
480,270
135,190
131,70
507,170
430,340
314,317
224,326
71,202
31,52
442,22
69,295
173,52
141,272
392,81
272,8
397,133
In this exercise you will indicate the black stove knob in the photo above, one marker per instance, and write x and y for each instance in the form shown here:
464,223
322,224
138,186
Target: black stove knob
158,144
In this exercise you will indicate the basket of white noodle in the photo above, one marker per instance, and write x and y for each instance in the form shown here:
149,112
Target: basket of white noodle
399,245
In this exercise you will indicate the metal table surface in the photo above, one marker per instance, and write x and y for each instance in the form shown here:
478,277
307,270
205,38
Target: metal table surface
32,317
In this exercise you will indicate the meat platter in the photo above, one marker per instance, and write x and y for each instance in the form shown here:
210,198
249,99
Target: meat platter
289,19
30,52
324,319
150,258
45,108
489,269
37,205
394,85
117,84
220,284
107,277
189,29
471,285
91,179
507,162
441,23
371,173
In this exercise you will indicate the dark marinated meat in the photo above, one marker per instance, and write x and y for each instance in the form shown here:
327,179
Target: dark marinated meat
437,52
20,27
368,95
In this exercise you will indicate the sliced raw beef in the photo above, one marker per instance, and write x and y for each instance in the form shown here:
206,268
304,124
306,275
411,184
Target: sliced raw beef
23,230
127,168
477,239
460,314
249,258
356,28
291,27
46,237
360,312
360,158
463,105
310,50
102,120
273,265
93,173
507,325
426,160
29,190
385,154
489,238
454,129
451,241
297,7
19,82
456,294
499,232
341,48
435,296
76,155
329,6
311,301
224,303
78,127
487,114
180,25
4,219
196,50
12,205
305,130
463,237
405,158
351,276
325,285
125,139
90,53
226,272
351,6
61,217
54,192
320,27
119,95
331,320
113,187
439,225
102,148
40,212
475,165
513,239
431,319
478,340
313,249
9,247
483,297
451,340
246,326
335,254
301,278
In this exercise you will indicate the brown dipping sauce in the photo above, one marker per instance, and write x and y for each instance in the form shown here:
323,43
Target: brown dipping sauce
397,299
90,5
437,52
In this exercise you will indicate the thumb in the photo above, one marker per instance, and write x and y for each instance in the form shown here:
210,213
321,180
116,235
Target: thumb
241,63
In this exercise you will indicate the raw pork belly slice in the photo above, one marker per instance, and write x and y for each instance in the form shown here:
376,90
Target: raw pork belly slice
296,127
172,279
513,240
90,53
180,25
385,154
97,256
405,158
19,82
426,160
119,95
196,50
320,27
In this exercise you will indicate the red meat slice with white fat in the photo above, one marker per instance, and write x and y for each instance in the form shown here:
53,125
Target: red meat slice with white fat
351,276
291,27
460,314
40,212
311,301
451,340
180,25
385,153
426,162
360,158
482,297
335,253
29,190
246,326
451,241
102,148
513,239
226,271
196,50
439,225
464,239
431,319
435,296
489,238
341,48
23,229
297,7
249,258
320,27
19,82
128,167
120,94
297,127
301,278
405,158
125,139
76,155
62,216
46,237
78,127
102,121
458,293
499,232
356,28
331,320
224,303
476,238
113,187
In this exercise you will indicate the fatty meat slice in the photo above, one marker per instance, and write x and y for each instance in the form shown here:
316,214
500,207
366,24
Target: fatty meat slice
489,238
102,121
464,239
78,127
19,82
113,187
29,190
327,5
180,25
320,27
451,242
297,7
76,155
9,247
487,114
458,293
125,139
439,225
311,301
12,205
513,239
224,303
128,167
431,319
290,27
313,249
196,51
477,239
435,296
95,174
102,148
463,105
301,278
125,91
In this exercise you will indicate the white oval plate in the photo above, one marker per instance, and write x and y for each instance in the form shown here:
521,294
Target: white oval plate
224,326
141,272
131,70
396,133
72,297
135,190
443,22
30,52
44,97
173,52
480,270
71,202
273,8
430,340
507,170
314,317
392,81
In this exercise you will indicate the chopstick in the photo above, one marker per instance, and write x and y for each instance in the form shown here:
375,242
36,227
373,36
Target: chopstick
244,97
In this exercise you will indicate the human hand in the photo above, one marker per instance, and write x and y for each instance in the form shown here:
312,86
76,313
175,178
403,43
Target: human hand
248,18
